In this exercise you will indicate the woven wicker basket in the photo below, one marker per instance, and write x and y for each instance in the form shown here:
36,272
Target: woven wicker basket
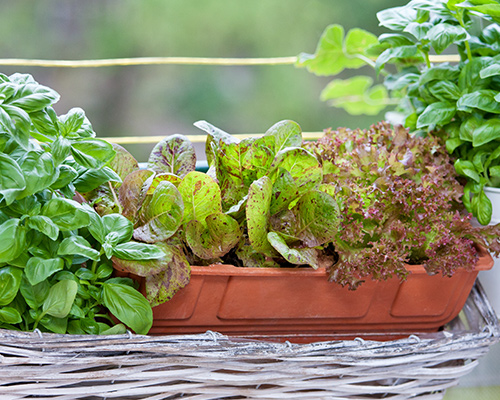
212,366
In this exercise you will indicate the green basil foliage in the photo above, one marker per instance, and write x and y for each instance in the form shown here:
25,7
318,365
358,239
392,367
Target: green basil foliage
458,102
55,253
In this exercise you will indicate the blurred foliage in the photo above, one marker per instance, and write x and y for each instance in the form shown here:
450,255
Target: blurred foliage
162,100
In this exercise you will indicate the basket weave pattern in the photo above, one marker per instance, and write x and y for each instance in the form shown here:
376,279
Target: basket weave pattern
212,366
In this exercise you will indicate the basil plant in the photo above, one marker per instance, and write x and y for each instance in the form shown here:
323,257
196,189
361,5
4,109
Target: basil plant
55,251
457,101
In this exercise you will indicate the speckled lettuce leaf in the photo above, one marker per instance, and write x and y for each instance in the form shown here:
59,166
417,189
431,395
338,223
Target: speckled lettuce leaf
215,238
236,164
174,154
153,182
214,137
318,218
299,256
132,193
124,163
161,286
257,155
258,215
160,215
201,197
286,133
285,191
303,166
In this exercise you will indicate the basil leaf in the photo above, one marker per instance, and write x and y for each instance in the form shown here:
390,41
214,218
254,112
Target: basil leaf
77,245
440,113
129,306
53,324
66,214
33,97
9,315
444,90
492,70
93,178
120,225
397,18
66,175
440,73
470,79
60,299
482,208
481,99
71,122
443,35
12,240
38,269
396,53
467,169
118,329
92,153
147,267
137,251
10,281
39,172
485,133
45,124
85,274
104,271
12,181
34,295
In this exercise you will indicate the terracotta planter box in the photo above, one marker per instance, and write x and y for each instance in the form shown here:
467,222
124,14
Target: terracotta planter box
301,305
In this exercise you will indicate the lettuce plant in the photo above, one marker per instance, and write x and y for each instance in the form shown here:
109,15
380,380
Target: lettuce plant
259,205
55,252
458,102
400,202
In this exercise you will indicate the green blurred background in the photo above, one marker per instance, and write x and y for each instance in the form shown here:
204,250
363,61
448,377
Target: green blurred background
162,100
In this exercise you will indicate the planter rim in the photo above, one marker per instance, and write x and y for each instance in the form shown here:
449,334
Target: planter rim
485,262
492,189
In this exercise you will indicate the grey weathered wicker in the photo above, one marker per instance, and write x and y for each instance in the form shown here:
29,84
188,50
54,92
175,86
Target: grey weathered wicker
212,366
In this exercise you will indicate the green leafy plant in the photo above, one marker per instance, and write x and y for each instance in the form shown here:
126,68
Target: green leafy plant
55,252
259,205
458,102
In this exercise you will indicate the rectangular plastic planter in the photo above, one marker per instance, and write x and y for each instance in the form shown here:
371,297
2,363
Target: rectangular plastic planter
301,305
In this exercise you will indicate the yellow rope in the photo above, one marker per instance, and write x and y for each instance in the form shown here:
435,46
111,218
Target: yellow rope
192,138
20,62
147,61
